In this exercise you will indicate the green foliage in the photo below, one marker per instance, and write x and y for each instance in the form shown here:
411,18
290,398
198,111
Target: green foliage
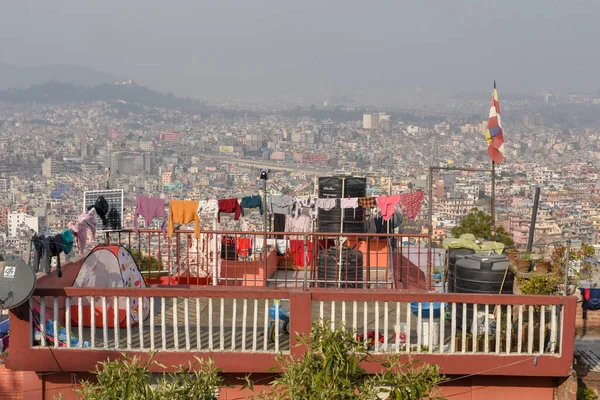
539,285
479,223
331,368
586,393
407,381
558,260
142,261
131,379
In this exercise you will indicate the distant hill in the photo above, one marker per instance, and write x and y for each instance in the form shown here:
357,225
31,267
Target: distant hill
12,76
60,92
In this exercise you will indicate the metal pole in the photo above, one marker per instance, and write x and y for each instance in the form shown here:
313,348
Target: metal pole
341,231
430,217
493,201
536,200
568,255
305,269
265,210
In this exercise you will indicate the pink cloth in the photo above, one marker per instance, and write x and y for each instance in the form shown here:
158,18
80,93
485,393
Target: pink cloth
412,202
387,205
84,229
149,208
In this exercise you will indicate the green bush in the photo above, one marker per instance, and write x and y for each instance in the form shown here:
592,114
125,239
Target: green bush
586,393
331,368
131,379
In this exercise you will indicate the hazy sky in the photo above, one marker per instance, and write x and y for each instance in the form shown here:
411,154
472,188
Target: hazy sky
317,48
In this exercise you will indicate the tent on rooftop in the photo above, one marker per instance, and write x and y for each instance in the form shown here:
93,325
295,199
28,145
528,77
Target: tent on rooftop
110,266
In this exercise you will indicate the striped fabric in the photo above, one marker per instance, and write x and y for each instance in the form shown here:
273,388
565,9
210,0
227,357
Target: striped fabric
495,135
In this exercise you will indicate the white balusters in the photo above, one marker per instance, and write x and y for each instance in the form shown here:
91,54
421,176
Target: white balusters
43,321
442,326
553,330
55,322
222,325
152,342
498,327
520,330
233,322
266,326
277,306
163,322
508,328
333,315
186,322
486,344
255,326
244,321
408,326
68,320
474,330
530,325
385,325
542,328
453,329
104,323
198,331
127,322
376,337
92,322
464,328
80,321
210,324
419,326
115,322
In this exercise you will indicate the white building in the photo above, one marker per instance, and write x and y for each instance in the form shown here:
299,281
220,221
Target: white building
381,121
21,220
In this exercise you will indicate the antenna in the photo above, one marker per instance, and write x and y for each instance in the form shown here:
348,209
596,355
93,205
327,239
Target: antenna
17,282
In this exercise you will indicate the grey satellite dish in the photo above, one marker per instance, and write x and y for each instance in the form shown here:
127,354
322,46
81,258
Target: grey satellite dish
17,282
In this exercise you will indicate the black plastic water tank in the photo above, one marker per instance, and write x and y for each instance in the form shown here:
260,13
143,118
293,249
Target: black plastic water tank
453,256
337,187
345,274
481,274
331,187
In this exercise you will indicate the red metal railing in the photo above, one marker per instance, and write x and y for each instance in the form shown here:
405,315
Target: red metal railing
233,323
280,259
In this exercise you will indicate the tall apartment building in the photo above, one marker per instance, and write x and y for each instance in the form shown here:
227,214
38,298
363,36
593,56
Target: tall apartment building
381,121
20,220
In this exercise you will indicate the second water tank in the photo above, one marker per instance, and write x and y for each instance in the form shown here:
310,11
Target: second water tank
337,187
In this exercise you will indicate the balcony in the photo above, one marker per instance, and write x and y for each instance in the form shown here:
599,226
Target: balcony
243,311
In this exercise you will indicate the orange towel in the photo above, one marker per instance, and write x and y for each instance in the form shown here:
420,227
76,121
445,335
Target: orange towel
183,212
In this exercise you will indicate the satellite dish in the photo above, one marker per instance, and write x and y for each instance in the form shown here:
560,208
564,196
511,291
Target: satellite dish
17,282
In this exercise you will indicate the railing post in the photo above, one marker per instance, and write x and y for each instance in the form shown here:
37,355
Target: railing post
300,319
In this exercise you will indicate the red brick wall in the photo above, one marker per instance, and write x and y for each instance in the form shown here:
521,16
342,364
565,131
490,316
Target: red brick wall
11,384
16,385
591,323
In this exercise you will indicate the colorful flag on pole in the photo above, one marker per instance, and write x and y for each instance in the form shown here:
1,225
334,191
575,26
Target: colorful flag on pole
495,135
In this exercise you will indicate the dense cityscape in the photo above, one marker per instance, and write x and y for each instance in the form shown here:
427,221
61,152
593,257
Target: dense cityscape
53,151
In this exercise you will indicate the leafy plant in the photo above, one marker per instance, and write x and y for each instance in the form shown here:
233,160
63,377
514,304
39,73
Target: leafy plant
131,379
586,393
479,223
525,256
407,381
436,270
539,285
558,260
331,368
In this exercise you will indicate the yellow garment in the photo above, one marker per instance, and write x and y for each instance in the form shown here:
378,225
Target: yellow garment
183,212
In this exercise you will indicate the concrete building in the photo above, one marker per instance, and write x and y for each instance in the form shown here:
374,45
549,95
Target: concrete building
381,121
20,220
51,167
